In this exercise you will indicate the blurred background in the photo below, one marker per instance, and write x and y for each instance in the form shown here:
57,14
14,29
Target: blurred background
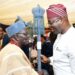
9,9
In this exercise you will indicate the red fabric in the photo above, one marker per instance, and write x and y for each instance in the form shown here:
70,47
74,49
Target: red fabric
57,10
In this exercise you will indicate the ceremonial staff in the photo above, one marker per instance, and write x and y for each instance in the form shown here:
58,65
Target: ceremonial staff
38,13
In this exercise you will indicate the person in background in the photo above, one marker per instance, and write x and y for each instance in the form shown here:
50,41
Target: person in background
73,25
46,52
1,37
64,46
4,39
34,53
13,61
52,37
25,48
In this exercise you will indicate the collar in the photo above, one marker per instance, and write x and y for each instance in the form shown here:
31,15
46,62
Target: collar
12,41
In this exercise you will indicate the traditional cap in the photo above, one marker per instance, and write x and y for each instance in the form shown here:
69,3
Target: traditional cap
56,10
15,28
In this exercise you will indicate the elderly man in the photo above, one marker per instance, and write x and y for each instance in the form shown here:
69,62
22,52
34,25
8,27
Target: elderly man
64,46
13,61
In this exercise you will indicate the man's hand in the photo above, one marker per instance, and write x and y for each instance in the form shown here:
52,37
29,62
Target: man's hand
40,72
45,59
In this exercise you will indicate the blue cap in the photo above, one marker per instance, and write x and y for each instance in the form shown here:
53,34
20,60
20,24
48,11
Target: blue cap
15,28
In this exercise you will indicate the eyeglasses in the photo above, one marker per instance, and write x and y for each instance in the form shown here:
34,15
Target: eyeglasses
54,22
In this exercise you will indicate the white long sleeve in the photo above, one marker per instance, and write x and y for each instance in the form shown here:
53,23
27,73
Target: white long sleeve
71,55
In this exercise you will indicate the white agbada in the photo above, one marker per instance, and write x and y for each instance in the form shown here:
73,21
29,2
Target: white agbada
13,61
64,53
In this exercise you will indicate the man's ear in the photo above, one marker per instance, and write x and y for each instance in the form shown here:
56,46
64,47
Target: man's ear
15,37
